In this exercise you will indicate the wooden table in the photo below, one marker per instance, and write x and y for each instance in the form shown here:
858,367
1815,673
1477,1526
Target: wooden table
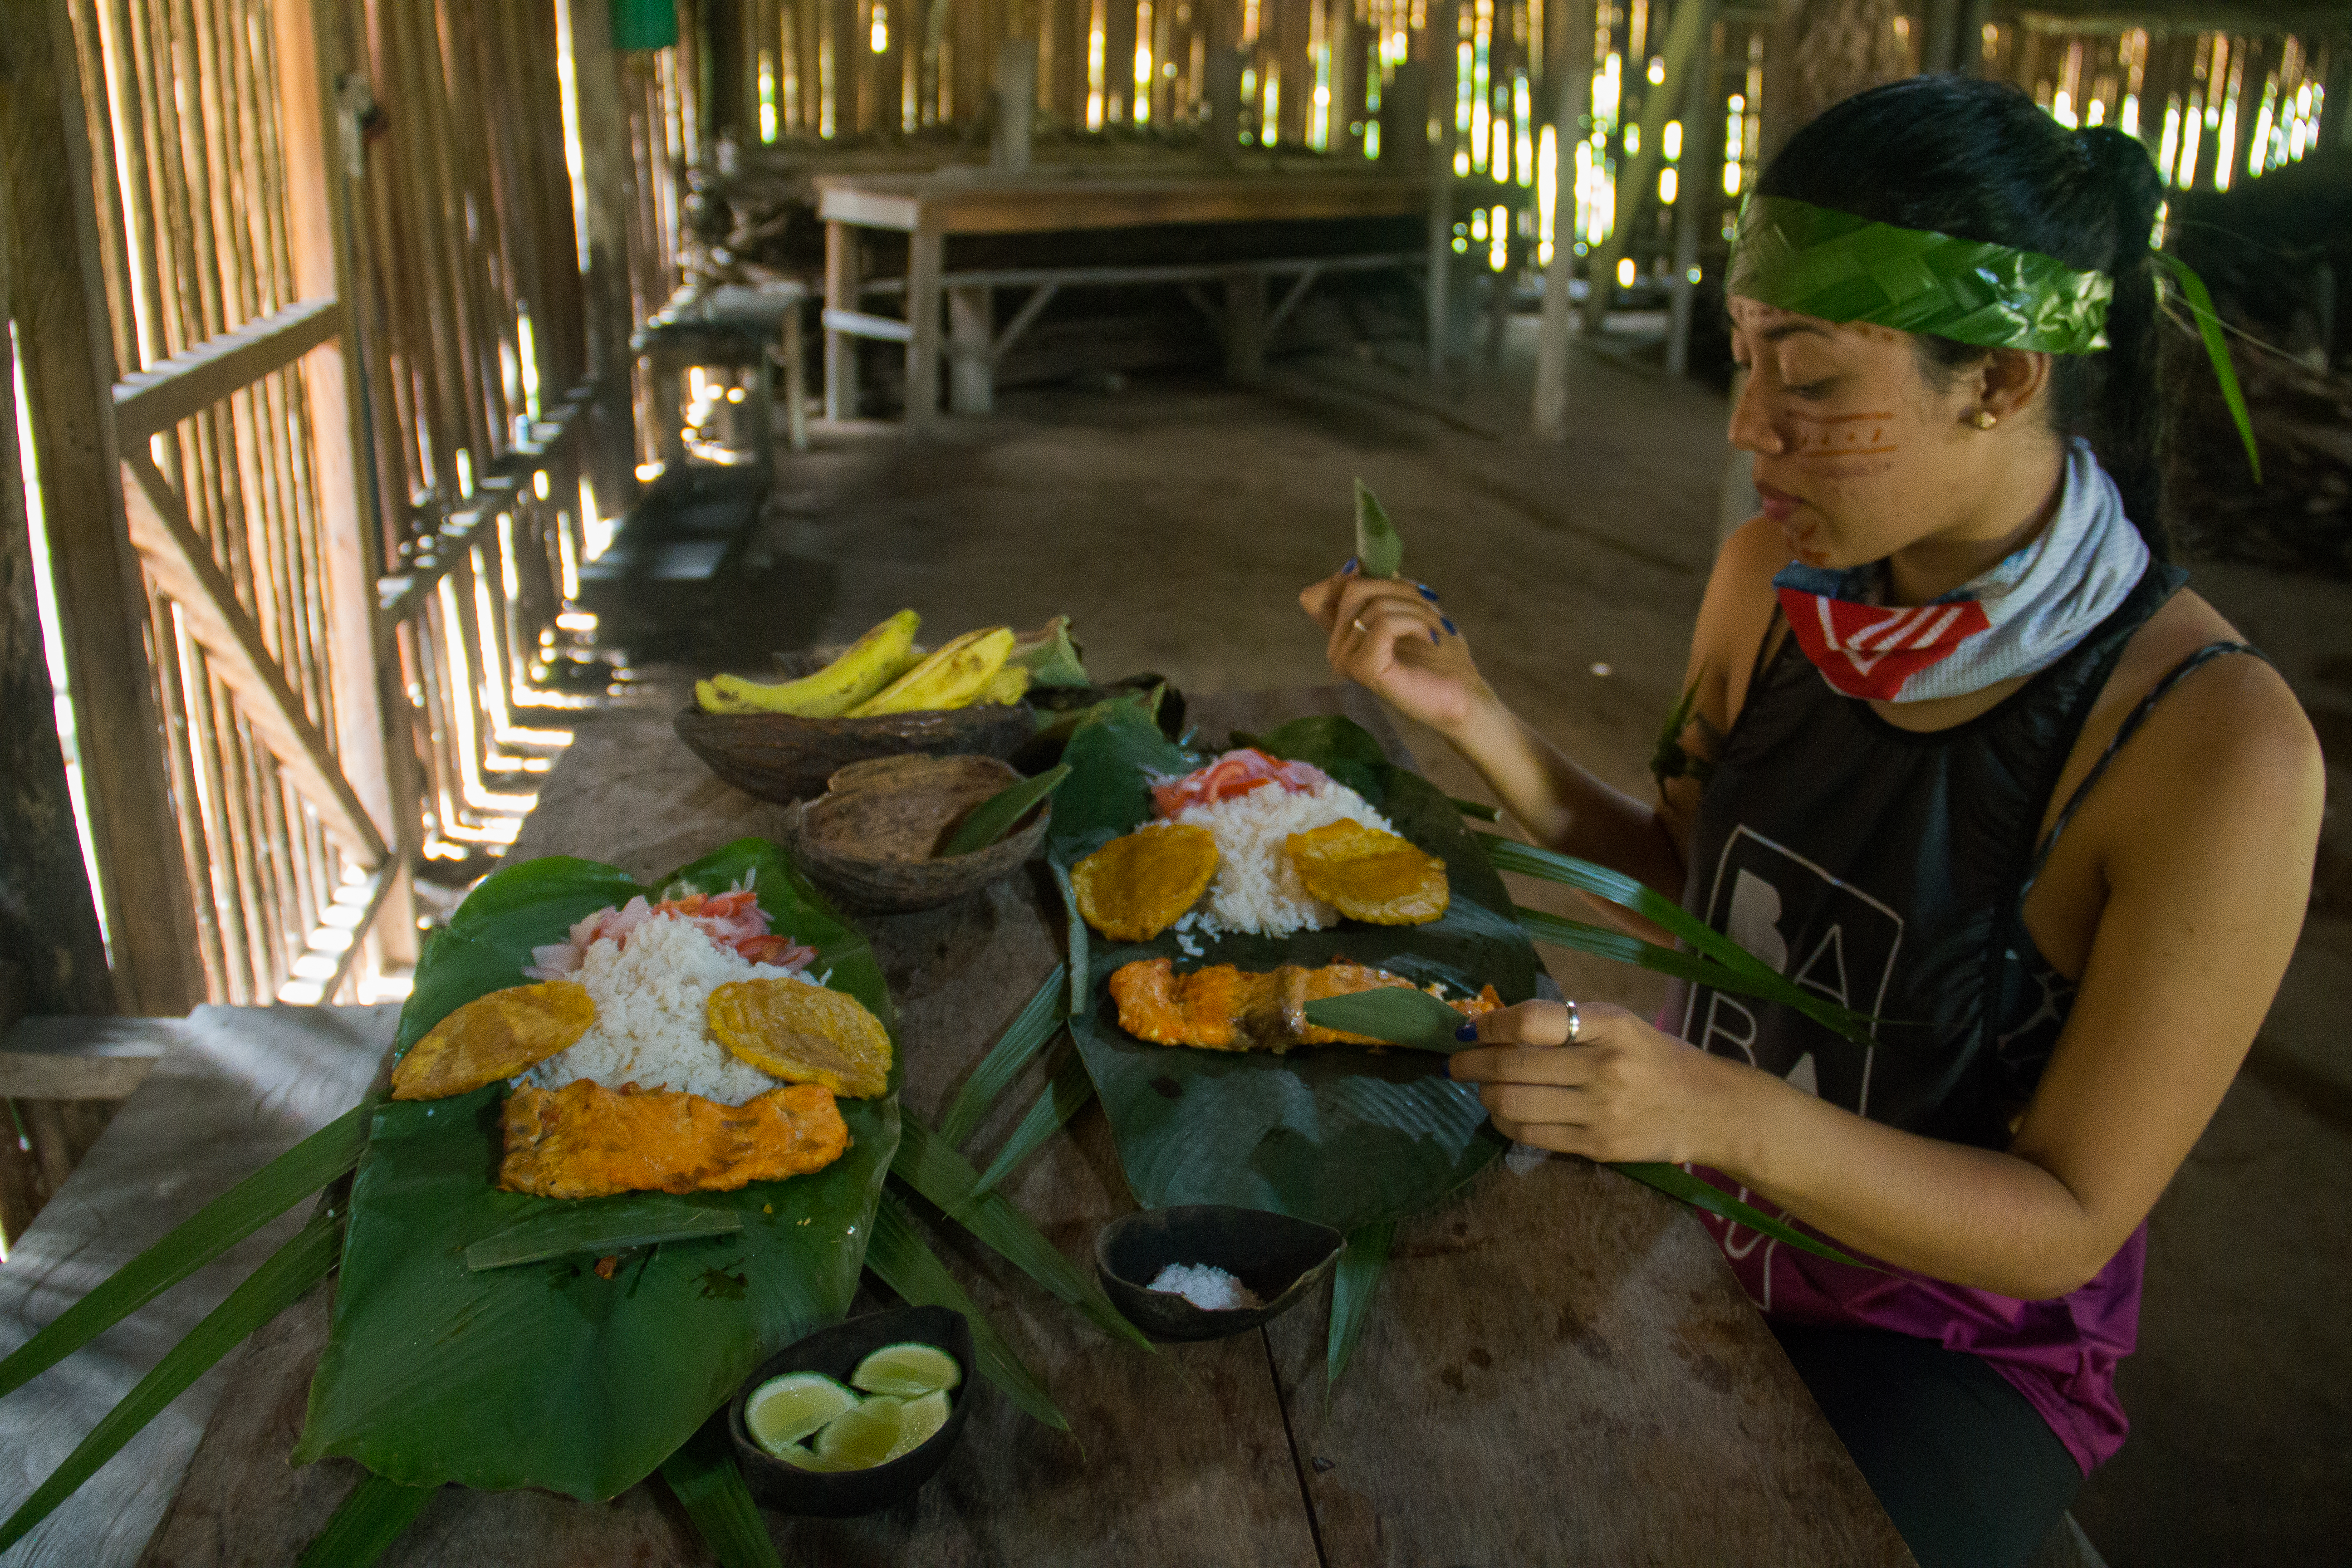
1558,1369
929,208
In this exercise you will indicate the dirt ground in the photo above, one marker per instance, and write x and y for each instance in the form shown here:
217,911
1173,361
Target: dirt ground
1175,519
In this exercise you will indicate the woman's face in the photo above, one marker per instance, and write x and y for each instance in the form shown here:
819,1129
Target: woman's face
1860,457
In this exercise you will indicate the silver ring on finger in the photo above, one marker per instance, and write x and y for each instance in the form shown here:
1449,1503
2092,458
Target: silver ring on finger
1575,1024
1358,623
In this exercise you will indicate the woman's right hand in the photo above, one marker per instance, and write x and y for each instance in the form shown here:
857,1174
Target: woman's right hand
1391,637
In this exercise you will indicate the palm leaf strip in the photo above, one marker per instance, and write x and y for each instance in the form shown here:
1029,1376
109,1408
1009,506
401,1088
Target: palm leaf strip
1065,1093
900,1258
930,1166
1352,1284
702,1475
330,1153
277,1285
367,1521
1014,1049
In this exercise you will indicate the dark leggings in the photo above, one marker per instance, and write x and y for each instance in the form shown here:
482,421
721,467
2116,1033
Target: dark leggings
1969,1470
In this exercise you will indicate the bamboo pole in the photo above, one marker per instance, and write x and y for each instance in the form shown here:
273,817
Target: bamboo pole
1637,174
59,305
1571,103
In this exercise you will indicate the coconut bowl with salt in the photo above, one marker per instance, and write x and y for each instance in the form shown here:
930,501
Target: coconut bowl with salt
1202,1271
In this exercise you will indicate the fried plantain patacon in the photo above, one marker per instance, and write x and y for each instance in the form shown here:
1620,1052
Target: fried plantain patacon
493,1037
804,1034
1371,875
1132,889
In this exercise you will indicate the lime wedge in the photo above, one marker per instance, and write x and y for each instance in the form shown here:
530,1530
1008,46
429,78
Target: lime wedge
907,1369
920,1421
799,1457
863,1435
784,1410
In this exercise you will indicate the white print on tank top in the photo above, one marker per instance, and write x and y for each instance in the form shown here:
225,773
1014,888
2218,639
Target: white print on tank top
1844,951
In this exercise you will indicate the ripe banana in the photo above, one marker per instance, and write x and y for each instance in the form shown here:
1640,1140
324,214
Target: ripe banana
951,678
871,663
1006,687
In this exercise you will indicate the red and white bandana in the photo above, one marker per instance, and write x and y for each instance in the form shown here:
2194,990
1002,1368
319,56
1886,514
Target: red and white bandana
2016,618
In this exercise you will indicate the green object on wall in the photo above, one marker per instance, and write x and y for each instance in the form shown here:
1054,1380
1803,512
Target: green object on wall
645,24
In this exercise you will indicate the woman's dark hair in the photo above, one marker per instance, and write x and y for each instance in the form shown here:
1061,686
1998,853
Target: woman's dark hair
1977,160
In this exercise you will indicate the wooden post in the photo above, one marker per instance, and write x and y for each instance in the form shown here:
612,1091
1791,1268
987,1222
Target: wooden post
1443,26
319,230
58,302
1016,104
1571,103
795,378
1695,183
52,958
841,280
971,369
926,259
609,175
1221,74
1939,51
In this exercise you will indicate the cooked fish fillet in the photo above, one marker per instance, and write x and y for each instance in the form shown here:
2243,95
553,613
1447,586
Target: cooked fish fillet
584,1140
1225,1009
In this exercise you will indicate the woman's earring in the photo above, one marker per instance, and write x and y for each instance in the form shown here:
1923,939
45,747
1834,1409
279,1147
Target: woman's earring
1985,419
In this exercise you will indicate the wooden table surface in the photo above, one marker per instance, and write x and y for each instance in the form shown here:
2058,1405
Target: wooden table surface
1557,1368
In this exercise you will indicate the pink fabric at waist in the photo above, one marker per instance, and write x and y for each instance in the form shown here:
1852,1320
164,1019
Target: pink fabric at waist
2060,1354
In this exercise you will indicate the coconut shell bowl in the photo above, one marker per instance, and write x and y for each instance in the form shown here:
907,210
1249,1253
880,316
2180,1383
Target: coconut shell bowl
1278,1259
780,757
873,839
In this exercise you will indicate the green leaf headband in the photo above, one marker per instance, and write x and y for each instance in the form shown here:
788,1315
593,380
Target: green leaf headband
1841,268
1838,267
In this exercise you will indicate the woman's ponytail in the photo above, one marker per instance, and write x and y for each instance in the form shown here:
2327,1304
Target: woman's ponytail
2126,416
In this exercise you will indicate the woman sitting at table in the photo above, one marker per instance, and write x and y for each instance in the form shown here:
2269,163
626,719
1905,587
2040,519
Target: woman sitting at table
1962,755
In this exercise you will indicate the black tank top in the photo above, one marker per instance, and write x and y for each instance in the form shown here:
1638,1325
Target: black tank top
1887,870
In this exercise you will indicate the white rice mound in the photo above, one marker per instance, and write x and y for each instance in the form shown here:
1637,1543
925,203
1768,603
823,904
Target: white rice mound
651,1028
1256,889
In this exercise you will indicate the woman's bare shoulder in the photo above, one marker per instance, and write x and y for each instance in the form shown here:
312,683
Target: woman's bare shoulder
1736,615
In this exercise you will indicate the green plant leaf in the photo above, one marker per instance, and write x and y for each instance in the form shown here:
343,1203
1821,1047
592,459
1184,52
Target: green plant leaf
1379,548
997,815
704,1477
1397,1014
324,1155
367,1521
1606,942
1626,893
1014,1049
1065,1092
1050,655
547,1375
1081,977
1352,1285
1341,1135
2209,328
1478,808
277,1285
929,1164
900,1259
569,1231
1677,1183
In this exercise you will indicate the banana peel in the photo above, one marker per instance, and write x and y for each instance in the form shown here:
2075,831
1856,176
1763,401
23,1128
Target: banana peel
953,677
868,667
1006,687
1050,655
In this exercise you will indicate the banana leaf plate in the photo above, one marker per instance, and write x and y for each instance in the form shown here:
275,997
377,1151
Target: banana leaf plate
1344,1136
550,1373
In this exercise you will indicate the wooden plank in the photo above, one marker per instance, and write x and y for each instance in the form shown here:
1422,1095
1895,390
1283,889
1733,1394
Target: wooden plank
926,259
57,302
982,205
609,177
233,1088
842,264
184,571
160,397
29,1075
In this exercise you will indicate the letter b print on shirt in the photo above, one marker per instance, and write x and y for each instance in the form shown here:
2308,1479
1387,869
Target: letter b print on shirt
1825,934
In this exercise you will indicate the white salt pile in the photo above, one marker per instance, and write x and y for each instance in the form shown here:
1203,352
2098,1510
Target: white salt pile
1209,1289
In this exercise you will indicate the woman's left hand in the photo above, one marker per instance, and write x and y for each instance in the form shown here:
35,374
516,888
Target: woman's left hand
1621,1091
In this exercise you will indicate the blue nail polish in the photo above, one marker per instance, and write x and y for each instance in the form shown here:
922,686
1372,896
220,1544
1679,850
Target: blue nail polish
1427,591
1436,640
1469,1031
1447,622
1350,566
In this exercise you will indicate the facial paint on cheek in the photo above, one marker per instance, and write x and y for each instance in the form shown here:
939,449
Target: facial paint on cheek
1820,436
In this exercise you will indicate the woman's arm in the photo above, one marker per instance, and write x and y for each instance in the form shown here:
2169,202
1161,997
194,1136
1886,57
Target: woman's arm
2204,830
1394,639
